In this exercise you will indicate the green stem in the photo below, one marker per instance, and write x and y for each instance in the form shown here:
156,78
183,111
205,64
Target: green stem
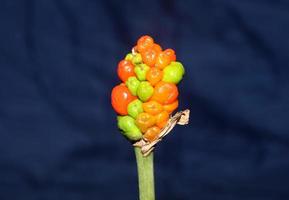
145,168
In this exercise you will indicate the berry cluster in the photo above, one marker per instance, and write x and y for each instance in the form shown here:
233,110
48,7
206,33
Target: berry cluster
148,93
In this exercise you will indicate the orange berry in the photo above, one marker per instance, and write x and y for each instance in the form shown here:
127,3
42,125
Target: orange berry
171,107
162,119
152,133
165,93
157,47
152,107
171,54
162,60
149,56
154,75
145,121
144,43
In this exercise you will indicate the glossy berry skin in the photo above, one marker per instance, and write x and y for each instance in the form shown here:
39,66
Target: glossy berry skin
132,84
154,75
162,119
128,127
149,56
134,108
152,133
171,54
157,47
162,60
173,73
144,43
145,121
141,71
129,56
165,93
125,70
144,91
171,107
152,107
136,59
120,98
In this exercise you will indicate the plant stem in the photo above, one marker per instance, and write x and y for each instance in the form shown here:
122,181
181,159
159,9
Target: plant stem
145,168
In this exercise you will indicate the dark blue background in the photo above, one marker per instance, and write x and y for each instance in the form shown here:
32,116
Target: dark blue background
58,136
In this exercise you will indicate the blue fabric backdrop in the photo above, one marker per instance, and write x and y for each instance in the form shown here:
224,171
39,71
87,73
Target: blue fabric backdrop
58,136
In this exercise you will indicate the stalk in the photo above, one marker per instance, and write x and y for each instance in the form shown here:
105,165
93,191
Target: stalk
145,169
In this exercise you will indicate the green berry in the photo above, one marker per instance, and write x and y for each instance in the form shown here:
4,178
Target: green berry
128,127
173,73
145,91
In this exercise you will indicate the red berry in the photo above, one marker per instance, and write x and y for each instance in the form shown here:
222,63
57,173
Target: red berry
125,70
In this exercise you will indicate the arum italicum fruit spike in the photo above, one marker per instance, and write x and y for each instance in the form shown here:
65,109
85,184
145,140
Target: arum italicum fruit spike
145,100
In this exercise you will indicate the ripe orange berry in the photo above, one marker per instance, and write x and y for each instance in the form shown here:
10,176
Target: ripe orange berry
171,107
154,75
162,60
165,93
149,56
157,47
152,133
144,43
162,119
152,107
171,54
145,121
